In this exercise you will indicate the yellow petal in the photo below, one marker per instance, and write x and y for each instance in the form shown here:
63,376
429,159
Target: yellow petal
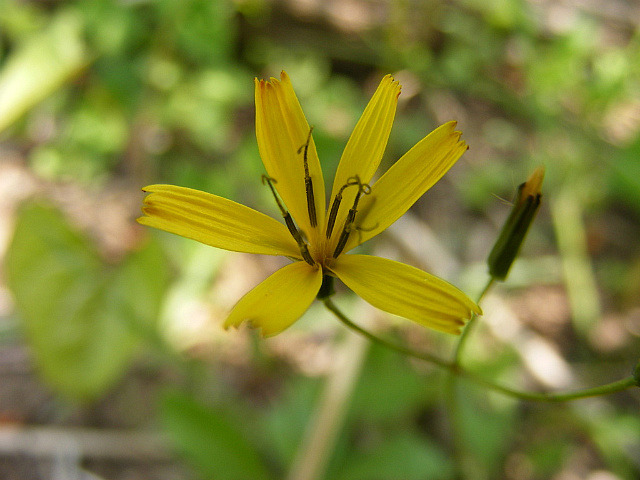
406,181
281,129
406,291
365,148
279,300
215,221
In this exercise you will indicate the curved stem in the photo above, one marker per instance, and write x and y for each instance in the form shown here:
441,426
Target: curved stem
470,325
385,343
455,369
451,385
606,389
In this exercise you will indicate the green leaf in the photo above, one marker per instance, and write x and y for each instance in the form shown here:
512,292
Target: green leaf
417,458
80,314
212,440
488,427
40,66
626,175
388,389
286,422
204,30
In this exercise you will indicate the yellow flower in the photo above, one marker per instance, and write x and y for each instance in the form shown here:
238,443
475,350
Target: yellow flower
317,240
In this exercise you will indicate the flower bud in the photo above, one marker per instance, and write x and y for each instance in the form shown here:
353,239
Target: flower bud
517,225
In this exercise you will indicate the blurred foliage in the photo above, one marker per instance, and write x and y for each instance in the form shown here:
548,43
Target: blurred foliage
212,440
388,419
83,318
40,65
100,93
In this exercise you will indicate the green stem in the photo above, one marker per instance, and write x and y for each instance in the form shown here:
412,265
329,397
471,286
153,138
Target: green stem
455,369
451,388
381,341
470,325
607,389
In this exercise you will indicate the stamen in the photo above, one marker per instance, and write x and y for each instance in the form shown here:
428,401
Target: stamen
270,181
304,249
336,204
363,188
308,185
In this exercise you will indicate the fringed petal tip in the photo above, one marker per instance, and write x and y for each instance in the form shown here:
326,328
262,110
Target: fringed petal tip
456,133
249,324
407,180
278,301
474,310
388,80
288,152
450,126
158,187
265,330
284,78
462,322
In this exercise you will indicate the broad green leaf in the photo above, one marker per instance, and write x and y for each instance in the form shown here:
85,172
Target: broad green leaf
617,436
213,441
40,66
80,315
626,175
488,428
406,456
286,422
388,389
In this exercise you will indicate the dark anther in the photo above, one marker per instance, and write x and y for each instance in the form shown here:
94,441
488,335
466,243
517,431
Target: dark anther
363,188
308,185
336,204
304,249
270,181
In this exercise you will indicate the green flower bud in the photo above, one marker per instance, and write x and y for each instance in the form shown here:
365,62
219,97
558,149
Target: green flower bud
517,225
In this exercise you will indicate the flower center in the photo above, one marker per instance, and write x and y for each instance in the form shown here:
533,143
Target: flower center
348,226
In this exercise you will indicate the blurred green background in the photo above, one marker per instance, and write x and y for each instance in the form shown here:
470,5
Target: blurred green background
112,356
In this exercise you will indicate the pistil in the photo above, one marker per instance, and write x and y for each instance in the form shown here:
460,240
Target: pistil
363,188
308,184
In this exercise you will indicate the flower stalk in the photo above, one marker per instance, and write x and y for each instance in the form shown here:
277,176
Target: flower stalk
455,369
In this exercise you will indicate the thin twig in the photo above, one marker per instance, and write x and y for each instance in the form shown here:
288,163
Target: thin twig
323,430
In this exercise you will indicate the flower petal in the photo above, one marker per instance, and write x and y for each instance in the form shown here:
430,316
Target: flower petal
215,221
279,300
406,181
365,147
281,129
406,291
